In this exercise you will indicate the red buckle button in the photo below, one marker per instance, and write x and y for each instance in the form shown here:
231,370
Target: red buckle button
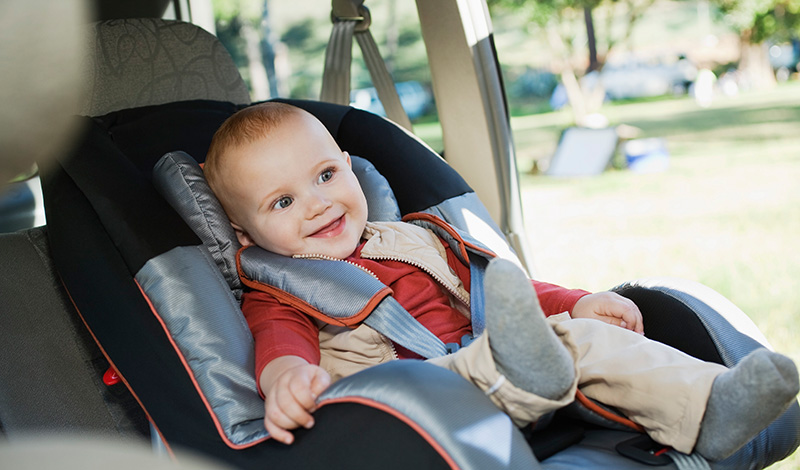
111,377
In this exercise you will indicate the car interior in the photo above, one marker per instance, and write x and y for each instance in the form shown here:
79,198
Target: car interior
120,315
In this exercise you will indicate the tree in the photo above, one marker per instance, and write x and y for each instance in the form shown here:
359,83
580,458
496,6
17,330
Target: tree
249,19
563,23
757,21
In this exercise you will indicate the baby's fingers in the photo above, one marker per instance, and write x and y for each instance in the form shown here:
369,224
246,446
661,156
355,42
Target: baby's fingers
296,406
632,317
278,433
303,401
279,421
319,383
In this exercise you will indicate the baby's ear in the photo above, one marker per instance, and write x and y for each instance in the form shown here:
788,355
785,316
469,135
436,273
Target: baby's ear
347,158
242,236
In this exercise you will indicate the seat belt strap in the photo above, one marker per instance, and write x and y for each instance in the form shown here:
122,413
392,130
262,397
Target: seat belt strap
352,17
382,80
338,56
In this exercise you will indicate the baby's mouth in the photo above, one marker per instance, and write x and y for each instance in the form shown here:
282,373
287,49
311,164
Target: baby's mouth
332,229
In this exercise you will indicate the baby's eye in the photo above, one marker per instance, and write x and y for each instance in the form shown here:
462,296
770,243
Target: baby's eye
283,202
325,176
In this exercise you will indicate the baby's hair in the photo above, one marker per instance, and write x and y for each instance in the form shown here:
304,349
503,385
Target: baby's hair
245,126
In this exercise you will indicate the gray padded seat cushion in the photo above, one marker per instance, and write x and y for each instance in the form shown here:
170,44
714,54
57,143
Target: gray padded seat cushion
179,178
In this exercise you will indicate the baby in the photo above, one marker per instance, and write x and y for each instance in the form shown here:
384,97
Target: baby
288,188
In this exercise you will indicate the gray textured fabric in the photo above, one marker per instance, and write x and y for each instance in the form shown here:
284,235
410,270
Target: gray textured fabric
597,451
141,62
467,213
732,331
435,400
204,320
688,462
50,378
310,280
477,259
381,203
180,180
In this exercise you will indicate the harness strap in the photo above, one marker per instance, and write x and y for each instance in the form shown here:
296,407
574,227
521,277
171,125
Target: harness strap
688,462
393,321
477,269
474,252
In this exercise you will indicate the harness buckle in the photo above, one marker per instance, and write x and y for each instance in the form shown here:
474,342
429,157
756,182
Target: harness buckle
465,341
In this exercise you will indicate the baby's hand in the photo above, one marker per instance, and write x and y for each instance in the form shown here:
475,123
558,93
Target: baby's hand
611,308
292,398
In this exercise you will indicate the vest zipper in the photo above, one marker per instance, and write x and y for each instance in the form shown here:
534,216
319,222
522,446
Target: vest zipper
453,291
392,348
331,258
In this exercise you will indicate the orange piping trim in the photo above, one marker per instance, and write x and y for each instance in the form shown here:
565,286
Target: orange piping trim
585,401
122,377
210,410
445,226
300,304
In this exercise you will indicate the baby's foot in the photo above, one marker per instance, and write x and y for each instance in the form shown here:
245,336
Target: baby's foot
744,400
524,347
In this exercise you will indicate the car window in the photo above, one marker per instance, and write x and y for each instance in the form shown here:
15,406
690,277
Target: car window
280,47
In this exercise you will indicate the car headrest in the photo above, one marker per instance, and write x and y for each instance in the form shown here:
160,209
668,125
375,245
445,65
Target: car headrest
147,61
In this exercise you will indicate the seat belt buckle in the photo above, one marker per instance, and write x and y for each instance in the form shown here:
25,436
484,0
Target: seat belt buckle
644,450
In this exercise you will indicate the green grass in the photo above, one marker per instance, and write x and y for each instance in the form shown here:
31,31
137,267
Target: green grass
726,213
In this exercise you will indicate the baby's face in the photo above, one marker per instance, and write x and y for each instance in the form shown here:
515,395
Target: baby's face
296,192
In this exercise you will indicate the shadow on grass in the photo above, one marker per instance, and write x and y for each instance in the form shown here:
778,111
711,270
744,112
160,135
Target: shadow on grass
712,119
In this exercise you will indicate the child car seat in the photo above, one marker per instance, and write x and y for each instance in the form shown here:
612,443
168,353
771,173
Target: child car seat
152,296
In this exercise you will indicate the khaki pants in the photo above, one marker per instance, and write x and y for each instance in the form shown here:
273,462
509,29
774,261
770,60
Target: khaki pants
654,385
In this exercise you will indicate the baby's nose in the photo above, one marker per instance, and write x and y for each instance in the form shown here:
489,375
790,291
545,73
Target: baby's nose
318,204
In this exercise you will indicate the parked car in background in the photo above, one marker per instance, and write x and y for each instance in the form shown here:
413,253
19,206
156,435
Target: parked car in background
415,98
639,79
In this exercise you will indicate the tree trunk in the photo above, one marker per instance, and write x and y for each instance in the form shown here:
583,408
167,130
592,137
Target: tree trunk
268,50
754,67
574,96
259,84
590,36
